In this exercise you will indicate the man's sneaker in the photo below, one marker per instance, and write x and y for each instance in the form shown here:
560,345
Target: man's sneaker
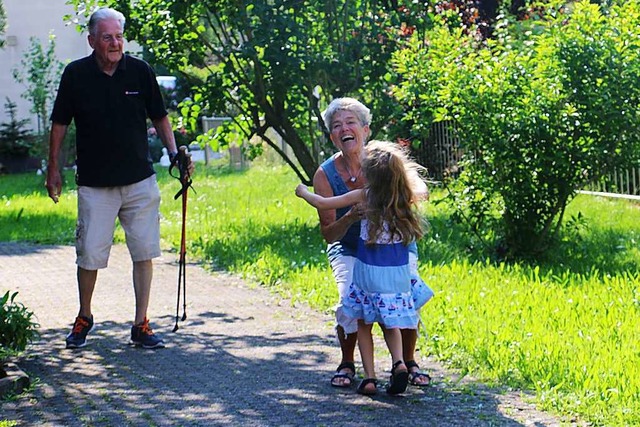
78,336
143,336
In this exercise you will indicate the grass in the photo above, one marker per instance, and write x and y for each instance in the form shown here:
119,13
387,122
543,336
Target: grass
564,327
27,214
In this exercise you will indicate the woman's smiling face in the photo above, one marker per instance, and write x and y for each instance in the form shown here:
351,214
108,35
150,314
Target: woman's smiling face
347,132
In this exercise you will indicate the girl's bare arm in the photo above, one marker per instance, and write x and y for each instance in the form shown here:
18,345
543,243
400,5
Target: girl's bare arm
333,202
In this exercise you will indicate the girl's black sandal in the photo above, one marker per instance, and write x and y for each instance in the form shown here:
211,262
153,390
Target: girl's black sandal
398,380
363,384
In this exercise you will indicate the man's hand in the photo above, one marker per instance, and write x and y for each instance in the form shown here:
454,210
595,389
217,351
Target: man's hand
53,183
191,167
181,160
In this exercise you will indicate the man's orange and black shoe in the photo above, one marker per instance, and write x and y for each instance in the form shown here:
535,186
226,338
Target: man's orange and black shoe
77,338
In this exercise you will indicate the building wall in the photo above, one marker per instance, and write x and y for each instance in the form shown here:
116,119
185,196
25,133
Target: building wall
37,18
34,18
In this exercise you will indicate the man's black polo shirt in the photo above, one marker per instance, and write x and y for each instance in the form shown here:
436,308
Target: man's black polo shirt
110,114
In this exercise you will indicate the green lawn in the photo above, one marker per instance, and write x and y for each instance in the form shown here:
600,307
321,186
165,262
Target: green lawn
565,327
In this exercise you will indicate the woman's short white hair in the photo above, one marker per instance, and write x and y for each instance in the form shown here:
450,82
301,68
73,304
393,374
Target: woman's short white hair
103,14
346,104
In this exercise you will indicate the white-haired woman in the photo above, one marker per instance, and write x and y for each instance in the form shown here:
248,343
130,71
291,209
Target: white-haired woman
348,122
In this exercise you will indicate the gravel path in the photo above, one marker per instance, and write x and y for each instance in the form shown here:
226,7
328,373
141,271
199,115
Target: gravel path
242,357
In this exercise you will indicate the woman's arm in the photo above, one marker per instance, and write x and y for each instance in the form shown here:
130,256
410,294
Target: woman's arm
418,186
420,191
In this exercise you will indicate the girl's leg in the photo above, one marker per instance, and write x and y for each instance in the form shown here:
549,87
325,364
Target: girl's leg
399,374
365,344
393,338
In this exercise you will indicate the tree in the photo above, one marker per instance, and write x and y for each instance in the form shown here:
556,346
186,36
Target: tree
15,138
40,73
275,64
542,109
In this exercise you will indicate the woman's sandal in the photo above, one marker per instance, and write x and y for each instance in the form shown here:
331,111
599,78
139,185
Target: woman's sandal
398,380
363,384
413,376
346,375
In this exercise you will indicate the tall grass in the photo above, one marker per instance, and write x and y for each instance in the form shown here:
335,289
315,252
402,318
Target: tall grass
565,327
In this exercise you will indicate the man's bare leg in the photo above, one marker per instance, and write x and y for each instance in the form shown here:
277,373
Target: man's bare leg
86,285
142,275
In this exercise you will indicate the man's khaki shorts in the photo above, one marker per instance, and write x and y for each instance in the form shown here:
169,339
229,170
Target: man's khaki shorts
137,206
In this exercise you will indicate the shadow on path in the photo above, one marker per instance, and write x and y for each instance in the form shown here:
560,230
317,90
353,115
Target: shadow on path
243,357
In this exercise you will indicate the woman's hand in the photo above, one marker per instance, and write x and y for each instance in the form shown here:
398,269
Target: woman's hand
356,213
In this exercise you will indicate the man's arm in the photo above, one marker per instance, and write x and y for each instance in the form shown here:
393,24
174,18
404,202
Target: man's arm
165,133
54,180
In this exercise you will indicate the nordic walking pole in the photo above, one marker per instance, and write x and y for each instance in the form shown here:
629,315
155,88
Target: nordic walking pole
182,271
181,160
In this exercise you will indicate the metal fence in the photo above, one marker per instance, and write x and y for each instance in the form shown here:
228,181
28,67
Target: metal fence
620,182
441,152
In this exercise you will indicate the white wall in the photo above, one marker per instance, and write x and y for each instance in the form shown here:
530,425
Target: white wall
34,18
37,18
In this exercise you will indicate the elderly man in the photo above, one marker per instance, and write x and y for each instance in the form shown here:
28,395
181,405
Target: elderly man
109,95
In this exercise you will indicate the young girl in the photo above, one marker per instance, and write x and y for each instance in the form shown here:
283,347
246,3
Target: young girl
382,290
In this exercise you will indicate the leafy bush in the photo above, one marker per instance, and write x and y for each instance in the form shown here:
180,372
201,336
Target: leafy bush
542,109
17,327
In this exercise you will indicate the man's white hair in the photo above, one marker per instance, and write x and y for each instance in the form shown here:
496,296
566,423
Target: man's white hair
103,14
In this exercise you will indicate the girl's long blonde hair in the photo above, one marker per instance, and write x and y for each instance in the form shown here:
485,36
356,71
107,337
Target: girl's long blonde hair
391,177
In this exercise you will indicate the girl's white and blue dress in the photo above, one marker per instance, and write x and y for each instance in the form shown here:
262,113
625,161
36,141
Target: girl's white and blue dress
385,288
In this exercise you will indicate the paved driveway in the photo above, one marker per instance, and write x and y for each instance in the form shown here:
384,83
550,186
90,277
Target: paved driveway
242,357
